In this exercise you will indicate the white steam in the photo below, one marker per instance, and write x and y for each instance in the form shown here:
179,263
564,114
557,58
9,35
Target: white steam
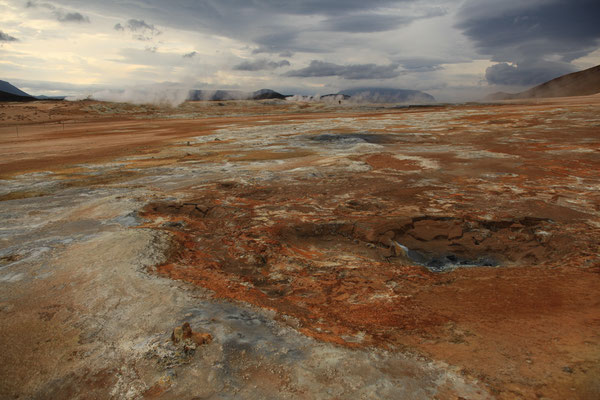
369,96
327,99
163,94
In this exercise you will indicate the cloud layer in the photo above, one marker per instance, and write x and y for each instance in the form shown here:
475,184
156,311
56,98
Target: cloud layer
261,65
533,40
352,71
450,48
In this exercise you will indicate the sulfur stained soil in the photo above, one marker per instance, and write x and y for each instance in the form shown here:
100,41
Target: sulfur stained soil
330,251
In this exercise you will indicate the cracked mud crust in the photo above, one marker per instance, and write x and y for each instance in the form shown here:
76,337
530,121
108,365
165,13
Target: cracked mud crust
449,252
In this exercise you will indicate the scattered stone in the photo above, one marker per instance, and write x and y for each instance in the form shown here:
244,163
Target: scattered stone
568,369
184,335
399,250
177,335
201,338
187,330
542,236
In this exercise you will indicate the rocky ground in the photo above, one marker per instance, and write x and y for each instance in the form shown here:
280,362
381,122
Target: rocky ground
316,251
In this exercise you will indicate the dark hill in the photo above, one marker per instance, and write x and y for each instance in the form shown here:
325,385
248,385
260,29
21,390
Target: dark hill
6,96
9,92
264,94
222,95
582,83
8,88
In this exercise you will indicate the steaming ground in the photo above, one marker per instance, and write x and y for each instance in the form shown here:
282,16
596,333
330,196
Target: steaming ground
174,94
287,232
161,94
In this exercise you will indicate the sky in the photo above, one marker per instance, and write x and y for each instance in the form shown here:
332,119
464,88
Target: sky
456,50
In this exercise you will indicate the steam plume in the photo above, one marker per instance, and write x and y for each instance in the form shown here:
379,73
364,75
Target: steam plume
164,94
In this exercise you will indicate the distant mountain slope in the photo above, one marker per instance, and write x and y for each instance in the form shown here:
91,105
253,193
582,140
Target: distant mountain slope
222,95
388,95
8,88
582,83
5,96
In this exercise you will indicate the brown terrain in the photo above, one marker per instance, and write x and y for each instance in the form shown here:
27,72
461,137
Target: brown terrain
272,249
581,83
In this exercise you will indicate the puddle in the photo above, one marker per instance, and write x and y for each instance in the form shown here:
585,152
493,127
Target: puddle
449,262
445,243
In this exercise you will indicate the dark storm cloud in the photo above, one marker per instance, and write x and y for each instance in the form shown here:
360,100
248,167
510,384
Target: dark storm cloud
364,23
261,65
421,64
527,33
5,37
374,22
274,26
312,7
285,41
352,71
140,29
526,74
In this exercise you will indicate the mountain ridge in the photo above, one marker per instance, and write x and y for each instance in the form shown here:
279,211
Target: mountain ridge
223,95
8,88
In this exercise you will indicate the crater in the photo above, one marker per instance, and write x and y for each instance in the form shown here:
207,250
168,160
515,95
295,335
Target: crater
443,243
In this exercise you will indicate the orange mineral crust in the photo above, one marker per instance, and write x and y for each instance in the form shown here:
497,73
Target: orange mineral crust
305,249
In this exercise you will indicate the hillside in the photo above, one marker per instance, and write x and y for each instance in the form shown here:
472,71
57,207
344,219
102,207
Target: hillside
582,83
9,92
6,96
222,95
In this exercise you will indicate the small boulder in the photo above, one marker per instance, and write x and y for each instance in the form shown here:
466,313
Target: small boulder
187,330
201,338
399,250
177,335
185,335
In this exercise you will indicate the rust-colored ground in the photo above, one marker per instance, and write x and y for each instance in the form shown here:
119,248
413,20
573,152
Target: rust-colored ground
518,184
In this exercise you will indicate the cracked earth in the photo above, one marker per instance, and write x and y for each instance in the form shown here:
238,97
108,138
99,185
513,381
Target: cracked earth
447,252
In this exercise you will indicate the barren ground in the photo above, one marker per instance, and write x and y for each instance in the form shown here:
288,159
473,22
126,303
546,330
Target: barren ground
331,252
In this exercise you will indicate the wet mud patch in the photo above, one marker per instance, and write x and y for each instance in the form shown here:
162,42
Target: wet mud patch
444,243
354,138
